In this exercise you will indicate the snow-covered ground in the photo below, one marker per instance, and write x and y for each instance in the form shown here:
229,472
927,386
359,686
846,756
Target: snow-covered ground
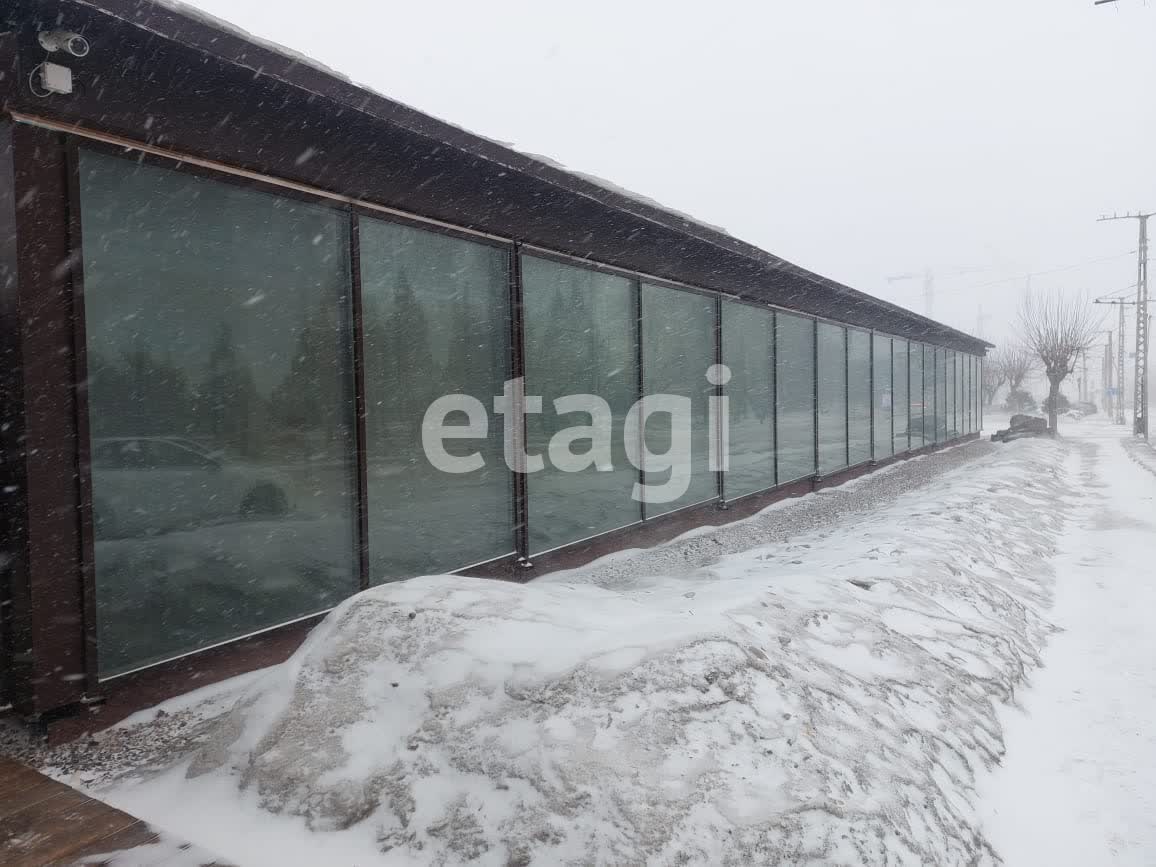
1078,784
832,681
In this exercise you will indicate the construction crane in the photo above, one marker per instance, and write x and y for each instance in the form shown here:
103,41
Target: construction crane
928,277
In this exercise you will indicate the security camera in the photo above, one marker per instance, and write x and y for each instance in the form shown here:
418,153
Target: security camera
63,40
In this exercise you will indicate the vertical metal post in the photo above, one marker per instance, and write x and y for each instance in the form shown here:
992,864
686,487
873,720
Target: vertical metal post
871,387
935,353
815,390
1120,371
641,392
846,396
1141,398
518,371
360,411
717,433
83,431
891,374
1108,362
775,393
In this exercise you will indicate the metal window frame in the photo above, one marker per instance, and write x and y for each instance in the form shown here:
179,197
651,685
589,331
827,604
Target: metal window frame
64,141
773,414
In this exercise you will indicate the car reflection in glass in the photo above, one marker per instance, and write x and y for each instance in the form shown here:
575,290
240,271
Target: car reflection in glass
150,485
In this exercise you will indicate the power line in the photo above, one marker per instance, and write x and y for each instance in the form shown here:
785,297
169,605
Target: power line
1031,274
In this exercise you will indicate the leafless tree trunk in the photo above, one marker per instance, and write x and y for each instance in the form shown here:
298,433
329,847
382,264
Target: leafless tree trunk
1018,363
1056,329
994,376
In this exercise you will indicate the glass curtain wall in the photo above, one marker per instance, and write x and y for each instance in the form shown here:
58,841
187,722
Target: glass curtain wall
678,345
970,385
978,362
928,395
218,323
883,397
952,399
915,421
795,396
901,403
748,350
960,397
580,337
940,395
859,367
832,397
436,323
974,394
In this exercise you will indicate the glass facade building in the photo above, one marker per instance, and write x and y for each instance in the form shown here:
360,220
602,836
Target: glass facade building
225,454
246,376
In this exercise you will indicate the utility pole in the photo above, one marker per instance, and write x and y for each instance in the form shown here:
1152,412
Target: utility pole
1106,378
1140,400
1119,302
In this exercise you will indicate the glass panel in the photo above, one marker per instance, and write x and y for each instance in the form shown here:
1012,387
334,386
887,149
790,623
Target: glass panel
940,395
971,379
436,323
747,333
795,395
970,395
965,391
952,403
960,396
978,393
901,404
859,395
221,408
916,389
580,340
928,395
832,397
883,396
677,348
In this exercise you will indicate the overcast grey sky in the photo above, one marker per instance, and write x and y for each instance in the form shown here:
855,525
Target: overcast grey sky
859,139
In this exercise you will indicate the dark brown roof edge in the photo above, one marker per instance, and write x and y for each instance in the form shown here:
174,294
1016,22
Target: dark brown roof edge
200,30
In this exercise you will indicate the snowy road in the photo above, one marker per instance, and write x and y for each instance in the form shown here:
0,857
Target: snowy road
1078,782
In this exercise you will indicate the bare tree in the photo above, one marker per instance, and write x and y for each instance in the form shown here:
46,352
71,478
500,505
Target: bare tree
1056,329
1018,363
994,375
1010,363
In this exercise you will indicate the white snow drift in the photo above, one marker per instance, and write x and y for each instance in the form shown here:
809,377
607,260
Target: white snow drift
827,701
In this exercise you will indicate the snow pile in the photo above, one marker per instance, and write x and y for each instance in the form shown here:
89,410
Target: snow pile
826,701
